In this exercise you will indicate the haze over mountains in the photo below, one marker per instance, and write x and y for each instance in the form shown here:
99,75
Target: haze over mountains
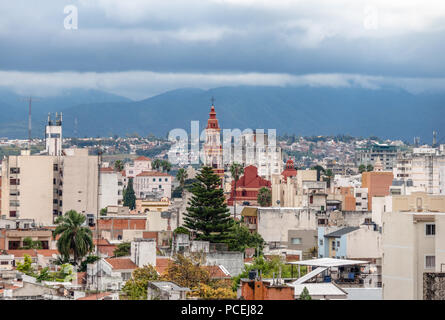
387,113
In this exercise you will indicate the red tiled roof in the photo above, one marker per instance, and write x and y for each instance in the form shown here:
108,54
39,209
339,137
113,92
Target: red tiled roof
108,250
142,158
216,272
101,242
108,169
47,252
121,263
123,173
98,296
162,265
153,174
21,253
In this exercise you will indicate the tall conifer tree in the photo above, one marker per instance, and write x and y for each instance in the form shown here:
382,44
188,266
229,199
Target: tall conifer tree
129,196
208,216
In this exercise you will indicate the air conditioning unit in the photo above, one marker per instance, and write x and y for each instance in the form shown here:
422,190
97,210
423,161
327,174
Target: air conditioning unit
3,216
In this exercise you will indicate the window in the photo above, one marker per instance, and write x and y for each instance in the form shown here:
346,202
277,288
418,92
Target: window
430,262
321,242
338,243
430,229
154,179
14,182
333,244
55,167
4,263
160,179
14,170
166,179
296,240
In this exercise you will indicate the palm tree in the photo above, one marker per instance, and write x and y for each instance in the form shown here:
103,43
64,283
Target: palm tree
236,170
156,164
166,166
75,239
181,176
118,165
264,197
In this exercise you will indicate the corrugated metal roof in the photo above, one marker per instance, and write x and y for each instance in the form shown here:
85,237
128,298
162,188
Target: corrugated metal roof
339,233
249,212
319,289
328,262
310,275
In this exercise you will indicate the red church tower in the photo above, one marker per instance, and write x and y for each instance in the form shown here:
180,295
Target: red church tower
213,154
289,171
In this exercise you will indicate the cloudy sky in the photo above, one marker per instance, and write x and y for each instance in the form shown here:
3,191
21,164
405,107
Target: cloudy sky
139,48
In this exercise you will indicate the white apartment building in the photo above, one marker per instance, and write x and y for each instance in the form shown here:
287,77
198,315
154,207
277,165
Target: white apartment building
148,183
139,165
42,187
422,170
361,199
413,237
53,135
261,151
111,188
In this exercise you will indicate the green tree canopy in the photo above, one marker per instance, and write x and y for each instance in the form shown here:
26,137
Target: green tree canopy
305,294
118,165
129,195
74,238
136,287
236,171
123,249
241,238
208,216
181,176
264,197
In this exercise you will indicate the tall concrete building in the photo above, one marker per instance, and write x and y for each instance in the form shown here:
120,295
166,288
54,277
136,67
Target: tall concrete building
53,135
422,170
377,182
43,187
413,237
385,153
111,188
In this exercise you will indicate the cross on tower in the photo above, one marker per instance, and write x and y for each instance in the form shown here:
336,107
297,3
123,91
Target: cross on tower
213,101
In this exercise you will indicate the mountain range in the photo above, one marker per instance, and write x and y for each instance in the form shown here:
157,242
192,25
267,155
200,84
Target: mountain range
387,112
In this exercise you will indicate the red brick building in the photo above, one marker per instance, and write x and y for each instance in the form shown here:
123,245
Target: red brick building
263,290
247,187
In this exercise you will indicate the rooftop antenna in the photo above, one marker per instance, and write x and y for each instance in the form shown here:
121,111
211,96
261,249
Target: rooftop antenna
99,165
75,127
434,138
213,101
29,100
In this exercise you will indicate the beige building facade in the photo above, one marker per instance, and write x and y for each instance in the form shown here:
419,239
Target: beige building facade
42,187
413,237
